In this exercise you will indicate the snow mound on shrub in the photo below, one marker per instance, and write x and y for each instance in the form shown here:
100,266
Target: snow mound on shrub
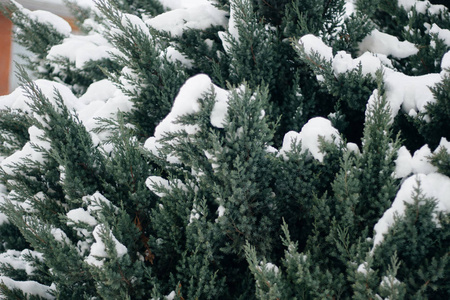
186,102
82,49
27,152
411,93
29,287
313,44
189,15
419,163
387,44
433,185
309,137
48,18
98,249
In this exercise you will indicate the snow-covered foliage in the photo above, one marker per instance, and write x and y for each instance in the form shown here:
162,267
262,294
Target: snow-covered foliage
173,141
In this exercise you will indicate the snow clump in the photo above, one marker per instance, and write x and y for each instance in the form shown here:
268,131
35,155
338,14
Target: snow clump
434,185
193,14
46,17
98,249
313,44
387,44
309,137
186,102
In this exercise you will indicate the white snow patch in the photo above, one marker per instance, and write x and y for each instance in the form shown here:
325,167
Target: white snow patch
419,163
312,44
104,108
136,22
364,269
194,214
271,149
189,16
232,31
186,102
403,165
409,92
81,49
174,55
389,281
98,249
221,211
309,137
406,4
46,17
17,259
422,7
3,217
220,109
27,151
443,144
176,4
18,100
349,8
443,34
386,44
96,202
60,235
80,215
433,185
445,63
271,267
28,287
98,91
171,296
153,181
370,62
353,148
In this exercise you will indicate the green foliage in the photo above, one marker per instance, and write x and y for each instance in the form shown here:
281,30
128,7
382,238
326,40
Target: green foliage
441,159
378,154
71,144
148,206
11,238
355,28
139,7
151,80
306,16
422,248
432,124
253,49
204,48
244,167
390,286
295,192
301,279
235,168
17,293
412,26
351,89
13,131
259,53
337,226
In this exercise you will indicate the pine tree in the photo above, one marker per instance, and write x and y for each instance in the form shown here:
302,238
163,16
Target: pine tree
227,149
